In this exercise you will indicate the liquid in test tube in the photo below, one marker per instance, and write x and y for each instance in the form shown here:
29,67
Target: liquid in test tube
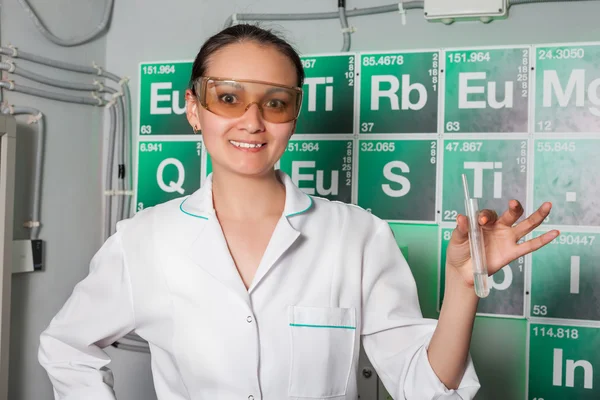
478,259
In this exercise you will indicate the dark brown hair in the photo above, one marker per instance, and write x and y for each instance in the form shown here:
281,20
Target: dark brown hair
239,34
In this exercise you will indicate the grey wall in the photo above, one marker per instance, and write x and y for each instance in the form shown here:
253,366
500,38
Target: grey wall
71,192
160,30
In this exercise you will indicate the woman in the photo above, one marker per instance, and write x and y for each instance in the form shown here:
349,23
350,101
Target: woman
250,289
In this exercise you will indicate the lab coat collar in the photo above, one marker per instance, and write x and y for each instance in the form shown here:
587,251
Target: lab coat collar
209,249
200,203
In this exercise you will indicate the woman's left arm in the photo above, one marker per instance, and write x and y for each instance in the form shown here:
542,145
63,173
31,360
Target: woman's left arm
449,346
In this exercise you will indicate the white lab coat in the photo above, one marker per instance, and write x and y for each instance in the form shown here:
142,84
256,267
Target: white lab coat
331,274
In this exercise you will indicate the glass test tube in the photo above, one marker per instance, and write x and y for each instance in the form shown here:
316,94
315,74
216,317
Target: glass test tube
478,259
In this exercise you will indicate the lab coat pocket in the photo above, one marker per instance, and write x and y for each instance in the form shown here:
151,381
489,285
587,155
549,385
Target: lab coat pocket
322,350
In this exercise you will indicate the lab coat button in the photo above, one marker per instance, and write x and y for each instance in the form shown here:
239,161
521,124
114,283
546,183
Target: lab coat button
249,319
250,397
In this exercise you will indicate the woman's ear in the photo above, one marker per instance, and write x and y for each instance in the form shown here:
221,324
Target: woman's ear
191,110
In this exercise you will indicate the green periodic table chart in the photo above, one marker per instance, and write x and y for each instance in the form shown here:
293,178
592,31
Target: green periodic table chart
394,131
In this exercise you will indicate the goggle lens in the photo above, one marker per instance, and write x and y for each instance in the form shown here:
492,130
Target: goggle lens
232,98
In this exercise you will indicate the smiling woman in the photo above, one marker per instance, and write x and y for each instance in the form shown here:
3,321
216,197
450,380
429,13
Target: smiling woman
250,288
250,106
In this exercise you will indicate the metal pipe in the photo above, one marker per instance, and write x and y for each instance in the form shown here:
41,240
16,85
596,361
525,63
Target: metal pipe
518,2
131,347
134,337
344,23
49,95
97,71
39,155
123,105
109,172
94,70
48,81
129,148
407,5
69,42
118,150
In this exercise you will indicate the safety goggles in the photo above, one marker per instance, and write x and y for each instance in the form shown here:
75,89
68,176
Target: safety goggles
231,98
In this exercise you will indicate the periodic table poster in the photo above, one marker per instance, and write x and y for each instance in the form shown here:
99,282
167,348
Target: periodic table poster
393,131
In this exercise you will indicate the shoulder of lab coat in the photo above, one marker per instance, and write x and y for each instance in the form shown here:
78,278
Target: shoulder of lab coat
395,335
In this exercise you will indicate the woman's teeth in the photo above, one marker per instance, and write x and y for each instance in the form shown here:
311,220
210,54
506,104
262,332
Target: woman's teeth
246,145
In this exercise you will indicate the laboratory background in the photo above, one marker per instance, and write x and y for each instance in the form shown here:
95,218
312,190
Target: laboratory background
400,100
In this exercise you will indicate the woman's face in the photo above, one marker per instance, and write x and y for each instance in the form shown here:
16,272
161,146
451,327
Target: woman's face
228,140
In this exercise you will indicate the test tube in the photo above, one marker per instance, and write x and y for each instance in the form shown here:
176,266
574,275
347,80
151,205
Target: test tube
478,259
